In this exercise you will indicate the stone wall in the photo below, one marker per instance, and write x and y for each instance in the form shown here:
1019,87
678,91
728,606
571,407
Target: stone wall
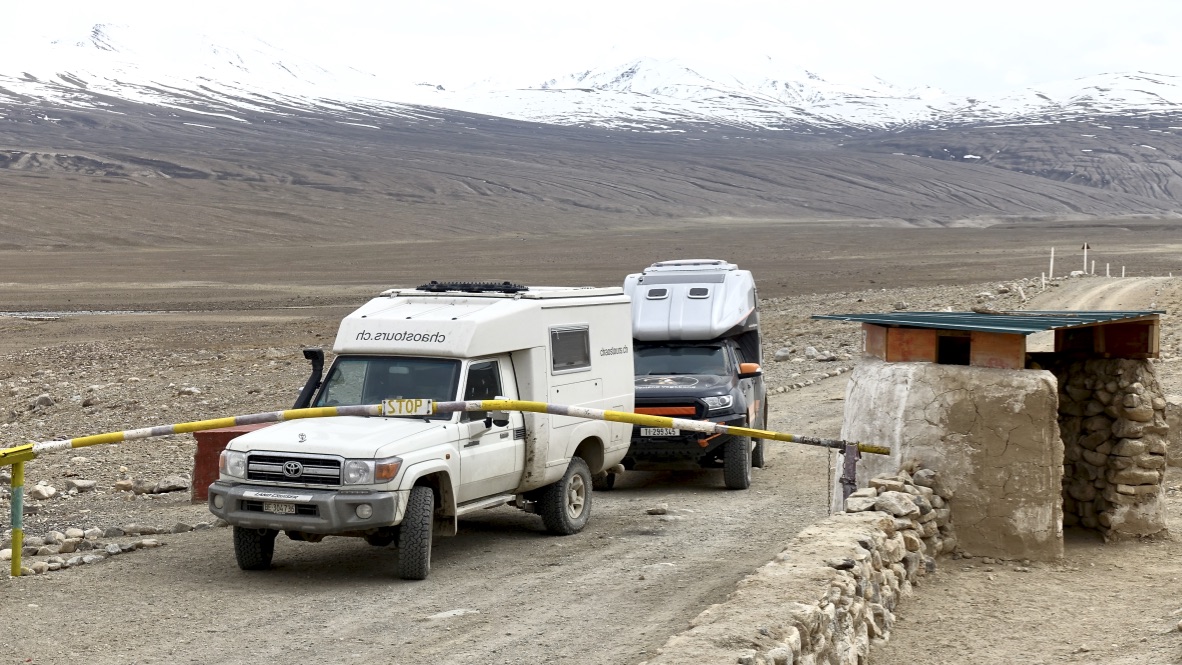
833,589
1112,416
991,434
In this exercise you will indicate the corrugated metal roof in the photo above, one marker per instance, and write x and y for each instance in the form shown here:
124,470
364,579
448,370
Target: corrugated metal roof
1021,322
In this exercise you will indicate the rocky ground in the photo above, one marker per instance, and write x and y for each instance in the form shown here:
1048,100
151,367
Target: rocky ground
148,369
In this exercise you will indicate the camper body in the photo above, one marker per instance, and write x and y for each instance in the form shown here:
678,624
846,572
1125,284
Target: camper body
402,479
698,353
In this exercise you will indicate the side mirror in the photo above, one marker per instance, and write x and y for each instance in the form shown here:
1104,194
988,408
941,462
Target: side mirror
749,370
500,418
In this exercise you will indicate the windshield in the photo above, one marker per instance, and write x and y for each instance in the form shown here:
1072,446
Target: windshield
370,379
665,360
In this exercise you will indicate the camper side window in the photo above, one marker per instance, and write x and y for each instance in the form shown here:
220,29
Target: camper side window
570,349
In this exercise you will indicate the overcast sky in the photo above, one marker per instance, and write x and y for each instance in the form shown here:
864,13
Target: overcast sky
962,47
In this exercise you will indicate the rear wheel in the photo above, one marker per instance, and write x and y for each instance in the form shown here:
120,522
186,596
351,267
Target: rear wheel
254,548
382,537
757,454
736,463
565,506
414,537
603,483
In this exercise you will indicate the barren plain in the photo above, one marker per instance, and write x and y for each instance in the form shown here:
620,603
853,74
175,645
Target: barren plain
134,337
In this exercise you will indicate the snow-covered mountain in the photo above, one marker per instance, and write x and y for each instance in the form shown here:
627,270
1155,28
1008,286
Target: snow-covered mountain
237,76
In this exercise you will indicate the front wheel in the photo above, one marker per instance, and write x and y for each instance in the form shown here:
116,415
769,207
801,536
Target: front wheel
414,536
254,548
565,506
736,463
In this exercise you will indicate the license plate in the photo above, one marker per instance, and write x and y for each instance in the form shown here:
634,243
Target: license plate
659,431
279,508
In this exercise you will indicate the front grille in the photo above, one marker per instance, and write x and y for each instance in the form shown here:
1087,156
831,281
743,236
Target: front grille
301,508
519,434
313,470
688,409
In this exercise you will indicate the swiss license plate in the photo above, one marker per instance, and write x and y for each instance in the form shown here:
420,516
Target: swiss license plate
659,431
279,508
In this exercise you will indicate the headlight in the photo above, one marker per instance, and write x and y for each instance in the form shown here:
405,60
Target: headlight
232,463
716,403
357,472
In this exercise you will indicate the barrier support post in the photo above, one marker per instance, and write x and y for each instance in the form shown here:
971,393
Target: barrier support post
18,510
849,473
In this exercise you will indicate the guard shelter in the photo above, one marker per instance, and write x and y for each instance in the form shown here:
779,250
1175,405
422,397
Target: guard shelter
1029,442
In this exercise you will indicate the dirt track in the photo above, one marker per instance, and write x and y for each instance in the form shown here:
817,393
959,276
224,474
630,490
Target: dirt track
608,595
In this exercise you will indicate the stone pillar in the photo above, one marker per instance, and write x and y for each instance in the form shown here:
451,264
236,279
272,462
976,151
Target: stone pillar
991,435
1112,416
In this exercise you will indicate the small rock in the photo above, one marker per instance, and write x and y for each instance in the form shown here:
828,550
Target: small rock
74,561
92,558
660,509
141,486
189,390
40,401
113,549
74,532
81,485
48,550
132,529
112,532
124,485
201,526
127,547
857,504
34,541
6,555
40,567
181,527
54,565
93,534
148,543
68,546
782,355
171,484
42,492
219,522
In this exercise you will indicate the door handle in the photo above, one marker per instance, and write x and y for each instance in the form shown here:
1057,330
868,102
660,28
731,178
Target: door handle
473,442
504,435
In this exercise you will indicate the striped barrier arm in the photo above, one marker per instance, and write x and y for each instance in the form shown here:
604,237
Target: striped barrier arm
19,455
703,426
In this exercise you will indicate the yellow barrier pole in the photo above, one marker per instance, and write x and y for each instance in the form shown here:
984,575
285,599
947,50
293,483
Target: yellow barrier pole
703,426
18,514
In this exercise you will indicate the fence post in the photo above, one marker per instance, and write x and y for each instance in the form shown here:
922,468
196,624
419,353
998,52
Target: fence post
849,472
18,510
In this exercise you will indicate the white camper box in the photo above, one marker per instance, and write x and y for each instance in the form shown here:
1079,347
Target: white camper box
692,299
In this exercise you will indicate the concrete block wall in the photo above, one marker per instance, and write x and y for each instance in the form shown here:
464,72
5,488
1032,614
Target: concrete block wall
832,591
991,434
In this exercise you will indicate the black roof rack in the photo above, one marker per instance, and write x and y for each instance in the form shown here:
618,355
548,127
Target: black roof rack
473,287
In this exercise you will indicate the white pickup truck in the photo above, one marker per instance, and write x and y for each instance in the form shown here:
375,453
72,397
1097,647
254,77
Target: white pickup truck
401,479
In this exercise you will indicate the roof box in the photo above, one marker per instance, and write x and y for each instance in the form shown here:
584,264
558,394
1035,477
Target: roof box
692,299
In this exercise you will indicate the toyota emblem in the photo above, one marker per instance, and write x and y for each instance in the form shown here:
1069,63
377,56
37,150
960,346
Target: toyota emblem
293,469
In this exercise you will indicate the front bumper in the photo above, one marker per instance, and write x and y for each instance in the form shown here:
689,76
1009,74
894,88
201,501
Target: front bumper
318,510
685,447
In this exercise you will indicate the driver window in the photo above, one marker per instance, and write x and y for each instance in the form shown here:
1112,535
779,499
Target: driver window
484,382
